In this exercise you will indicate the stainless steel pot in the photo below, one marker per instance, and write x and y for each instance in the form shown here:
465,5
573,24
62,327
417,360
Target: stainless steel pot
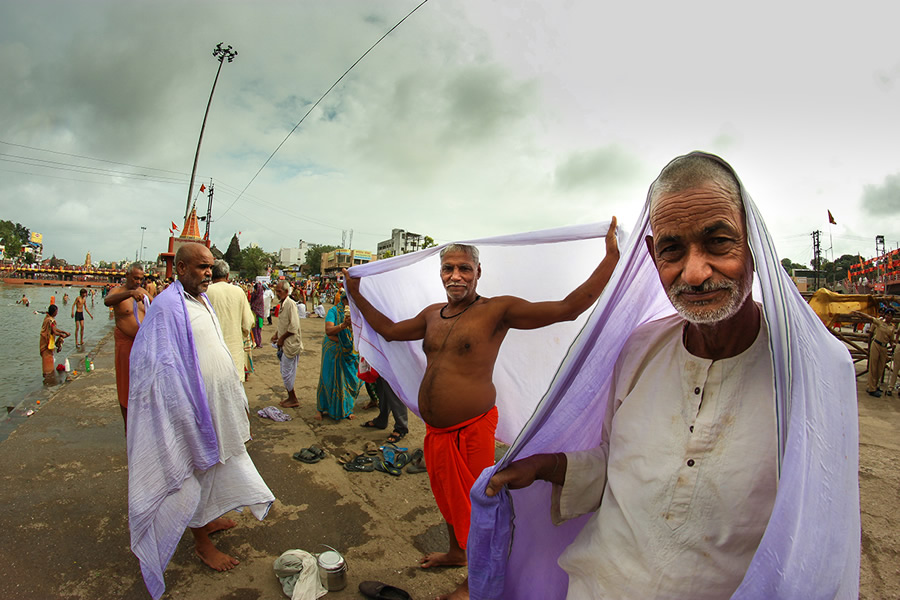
332,570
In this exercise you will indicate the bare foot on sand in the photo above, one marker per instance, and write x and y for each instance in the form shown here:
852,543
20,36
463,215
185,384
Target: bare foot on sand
286,403
443,559
219,524
215,558
318,415
350,417
460,593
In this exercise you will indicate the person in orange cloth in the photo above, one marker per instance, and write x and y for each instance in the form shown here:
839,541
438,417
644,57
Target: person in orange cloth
461,340
129,303
50,337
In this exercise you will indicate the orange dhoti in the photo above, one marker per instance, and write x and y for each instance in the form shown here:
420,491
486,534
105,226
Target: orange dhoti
123,355
455,457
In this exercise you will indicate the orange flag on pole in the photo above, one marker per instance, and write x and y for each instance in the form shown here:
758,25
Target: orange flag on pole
831,219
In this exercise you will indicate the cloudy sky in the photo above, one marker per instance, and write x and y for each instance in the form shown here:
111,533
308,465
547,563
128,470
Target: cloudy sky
473,118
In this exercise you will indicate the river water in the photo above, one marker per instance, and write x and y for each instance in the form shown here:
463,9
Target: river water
20,362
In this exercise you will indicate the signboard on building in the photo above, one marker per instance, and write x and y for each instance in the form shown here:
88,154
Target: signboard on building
37,238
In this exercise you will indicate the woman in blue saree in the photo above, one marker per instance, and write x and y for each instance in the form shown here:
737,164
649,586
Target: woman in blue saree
339,378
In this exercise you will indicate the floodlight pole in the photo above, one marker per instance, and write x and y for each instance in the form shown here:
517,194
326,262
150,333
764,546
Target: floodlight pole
143,229
221,54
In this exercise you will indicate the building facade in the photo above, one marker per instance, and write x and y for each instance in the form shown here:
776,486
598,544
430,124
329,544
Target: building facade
401,242
293,256
342,258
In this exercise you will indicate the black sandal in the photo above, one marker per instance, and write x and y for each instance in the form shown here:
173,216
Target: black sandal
395,437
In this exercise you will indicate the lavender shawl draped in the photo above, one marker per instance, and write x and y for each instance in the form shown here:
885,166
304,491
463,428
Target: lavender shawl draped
170,434
811,548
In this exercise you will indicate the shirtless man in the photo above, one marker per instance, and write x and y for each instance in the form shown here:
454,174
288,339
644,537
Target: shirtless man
461,340
23,301
127,302
78,310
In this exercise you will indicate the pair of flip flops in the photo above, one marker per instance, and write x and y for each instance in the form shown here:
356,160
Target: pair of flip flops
360,464
394,460
310,455
382,591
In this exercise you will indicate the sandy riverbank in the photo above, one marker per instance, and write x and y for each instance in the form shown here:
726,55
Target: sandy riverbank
64,495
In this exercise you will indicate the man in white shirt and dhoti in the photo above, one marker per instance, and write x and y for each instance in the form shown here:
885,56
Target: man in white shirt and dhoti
233,313
187,426
684,480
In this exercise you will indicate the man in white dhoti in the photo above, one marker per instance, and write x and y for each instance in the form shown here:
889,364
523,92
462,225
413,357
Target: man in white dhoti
187,426
287,339
233,312
684,480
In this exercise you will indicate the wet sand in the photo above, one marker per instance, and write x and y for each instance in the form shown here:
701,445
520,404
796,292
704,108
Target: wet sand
64,495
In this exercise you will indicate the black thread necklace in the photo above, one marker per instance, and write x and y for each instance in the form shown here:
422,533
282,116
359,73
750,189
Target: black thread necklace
477,298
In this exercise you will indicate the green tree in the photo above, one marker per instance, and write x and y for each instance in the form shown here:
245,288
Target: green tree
314,254
790,265
13,236
254,261
428,242
233,254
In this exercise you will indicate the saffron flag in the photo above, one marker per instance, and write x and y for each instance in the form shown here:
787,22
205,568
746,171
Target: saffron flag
174,226
203,189
831,219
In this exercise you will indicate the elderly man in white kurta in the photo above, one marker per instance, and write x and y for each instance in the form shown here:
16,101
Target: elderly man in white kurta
684,480
233,312
287,339
187,426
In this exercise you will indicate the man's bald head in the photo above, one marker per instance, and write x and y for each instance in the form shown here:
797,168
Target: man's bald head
193,263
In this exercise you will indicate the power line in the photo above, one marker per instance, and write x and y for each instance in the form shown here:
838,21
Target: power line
333,85
89,158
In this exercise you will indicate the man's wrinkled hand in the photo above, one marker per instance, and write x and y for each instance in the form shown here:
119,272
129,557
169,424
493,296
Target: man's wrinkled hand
517,475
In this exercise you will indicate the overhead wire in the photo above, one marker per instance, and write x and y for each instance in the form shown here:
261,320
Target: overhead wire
322,97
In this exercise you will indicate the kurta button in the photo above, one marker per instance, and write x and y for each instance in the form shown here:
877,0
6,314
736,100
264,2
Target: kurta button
696,390
690,462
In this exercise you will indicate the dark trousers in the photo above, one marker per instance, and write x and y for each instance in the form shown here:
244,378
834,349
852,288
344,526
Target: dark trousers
389,402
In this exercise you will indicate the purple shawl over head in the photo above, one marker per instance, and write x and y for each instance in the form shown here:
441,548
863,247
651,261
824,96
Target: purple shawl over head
170,434
811,547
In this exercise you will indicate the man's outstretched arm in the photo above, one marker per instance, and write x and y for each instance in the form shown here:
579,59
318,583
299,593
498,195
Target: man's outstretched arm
522,314
410,329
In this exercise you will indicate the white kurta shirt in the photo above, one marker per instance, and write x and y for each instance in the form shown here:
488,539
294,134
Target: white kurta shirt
686,472
234,475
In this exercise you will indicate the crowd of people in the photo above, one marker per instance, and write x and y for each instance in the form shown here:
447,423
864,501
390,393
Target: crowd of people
682,481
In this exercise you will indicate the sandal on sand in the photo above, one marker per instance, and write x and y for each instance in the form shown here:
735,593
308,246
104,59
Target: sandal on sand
382,591
347,457
417,462
307,456
355,467
395,437
371,449
372,425
401,459
317,451
386,467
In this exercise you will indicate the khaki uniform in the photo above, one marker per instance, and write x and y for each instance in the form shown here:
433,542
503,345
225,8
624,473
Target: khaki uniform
884,333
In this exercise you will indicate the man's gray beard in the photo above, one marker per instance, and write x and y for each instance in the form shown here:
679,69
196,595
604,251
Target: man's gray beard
737,294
